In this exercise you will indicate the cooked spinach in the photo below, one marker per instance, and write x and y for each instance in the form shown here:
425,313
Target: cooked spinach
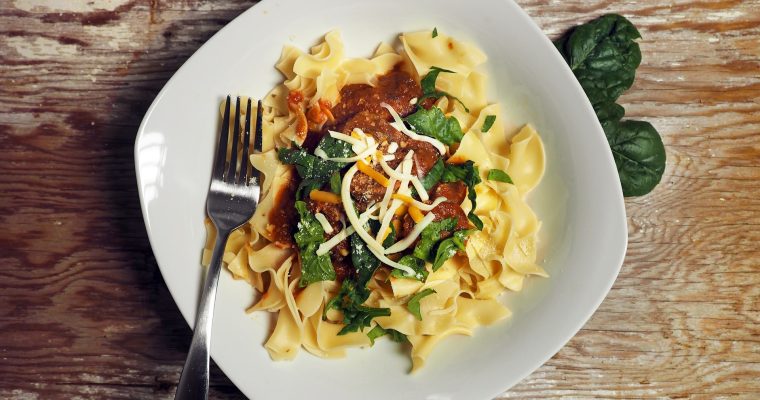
430,236
435,32
604,56
413,305
335,148
379,331
499,176
449,247
432,122
468,173
488,123
434,175
355,315
309,236
428,87
314,171
416,264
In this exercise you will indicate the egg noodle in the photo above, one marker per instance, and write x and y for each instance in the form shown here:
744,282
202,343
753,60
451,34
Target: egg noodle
455,297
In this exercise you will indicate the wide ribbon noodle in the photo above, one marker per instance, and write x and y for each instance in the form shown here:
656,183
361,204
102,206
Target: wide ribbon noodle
498,257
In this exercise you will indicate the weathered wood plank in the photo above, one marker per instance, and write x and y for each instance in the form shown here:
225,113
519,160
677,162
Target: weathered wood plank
84,311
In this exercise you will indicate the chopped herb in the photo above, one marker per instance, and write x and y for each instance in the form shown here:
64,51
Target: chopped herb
430,236
420,273
488,123
378,331
414,303
428,87
314,171
499,175
335,148
434,123
449,247
435,32
355,315
310,235
335,182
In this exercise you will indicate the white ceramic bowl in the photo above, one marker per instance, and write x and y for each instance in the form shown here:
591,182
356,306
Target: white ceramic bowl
579,201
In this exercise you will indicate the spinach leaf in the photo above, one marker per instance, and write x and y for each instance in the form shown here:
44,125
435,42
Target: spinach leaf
603,55
428,87
414,303
434,123
335,148
434,175
355,315
314,171
420,273
430,236
379,331
335,182
309,236
449,247
488,123
364,262
499,176
639,155
435,32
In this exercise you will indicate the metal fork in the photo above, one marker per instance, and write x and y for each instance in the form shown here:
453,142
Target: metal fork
232,198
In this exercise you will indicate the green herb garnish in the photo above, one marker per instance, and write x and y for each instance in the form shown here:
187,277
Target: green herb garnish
499,176
420,273
428,87
488,123
309,236
434,123
430,236
379,331
414,303
449,247
355,315
435,32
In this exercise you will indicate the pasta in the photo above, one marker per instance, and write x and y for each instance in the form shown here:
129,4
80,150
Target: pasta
466,238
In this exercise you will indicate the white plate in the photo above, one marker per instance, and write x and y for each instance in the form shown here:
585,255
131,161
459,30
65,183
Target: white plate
579,201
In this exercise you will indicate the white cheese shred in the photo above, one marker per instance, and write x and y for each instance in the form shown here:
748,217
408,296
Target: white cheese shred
404,244
344,137
325,247
420,189
323,221
399,126
348,207
392,147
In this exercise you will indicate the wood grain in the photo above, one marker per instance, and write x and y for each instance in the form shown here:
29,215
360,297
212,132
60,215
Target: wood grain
84,312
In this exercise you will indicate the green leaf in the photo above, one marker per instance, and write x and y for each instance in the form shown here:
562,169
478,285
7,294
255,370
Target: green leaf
435,32
434,175
499,176
639,155
314,171
603,55
420,272
434,123
609,112
364,262
414,303
449,247
355,315
335,148
309,236
428,87
335,182
430,236
488,123
378,331
468,173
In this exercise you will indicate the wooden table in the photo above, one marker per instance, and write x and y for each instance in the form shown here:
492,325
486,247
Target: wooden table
84,311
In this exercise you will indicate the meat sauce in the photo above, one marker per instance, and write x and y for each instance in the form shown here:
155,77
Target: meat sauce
360,107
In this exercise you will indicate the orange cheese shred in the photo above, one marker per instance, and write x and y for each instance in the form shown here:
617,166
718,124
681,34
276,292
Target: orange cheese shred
324,197
380,178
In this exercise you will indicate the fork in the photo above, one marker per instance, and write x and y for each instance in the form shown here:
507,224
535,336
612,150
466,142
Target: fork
232,199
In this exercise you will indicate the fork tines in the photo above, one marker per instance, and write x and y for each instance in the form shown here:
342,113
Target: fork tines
231,165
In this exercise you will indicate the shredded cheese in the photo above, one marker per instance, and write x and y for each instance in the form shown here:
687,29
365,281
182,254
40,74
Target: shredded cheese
325,247
420,189
393,173
348,207
364,167
395,204
399,126
401,210
324,222
404,244
392,147
324,197
413,101
420,205
360,155
416,214
344,137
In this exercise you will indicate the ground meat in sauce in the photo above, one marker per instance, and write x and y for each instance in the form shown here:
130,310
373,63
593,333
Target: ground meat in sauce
283,217
396,88
442,211
454,192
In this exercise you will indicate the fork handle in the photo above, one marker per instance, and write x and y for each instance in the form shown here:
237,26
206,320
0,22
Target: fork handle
193,384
